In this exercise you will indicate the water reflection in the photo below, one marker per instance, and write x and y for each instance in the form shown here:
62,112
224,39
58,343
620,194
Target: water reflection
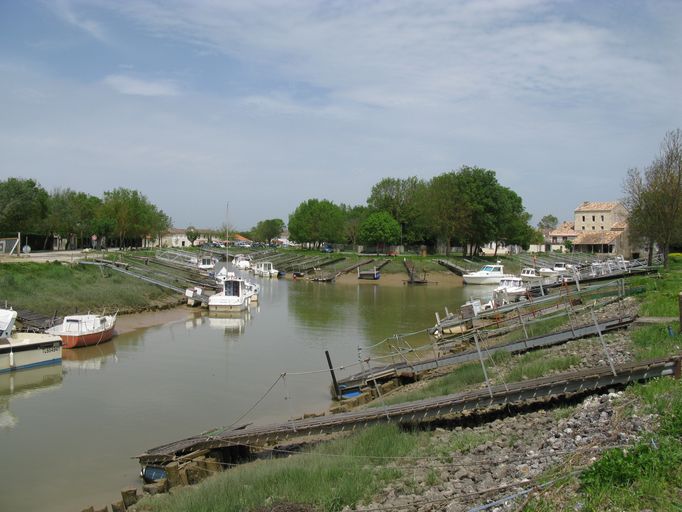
229,323
89,358
25,383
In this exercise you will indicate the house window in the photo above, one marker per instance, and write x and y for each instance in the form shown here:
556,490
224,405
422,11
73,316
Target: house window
602,228
602,218
583,218
583,228
592,228
592,218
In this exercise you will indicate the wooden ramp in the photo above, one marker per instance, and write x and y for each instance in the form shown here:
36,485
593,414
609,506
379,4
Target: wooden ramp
588,380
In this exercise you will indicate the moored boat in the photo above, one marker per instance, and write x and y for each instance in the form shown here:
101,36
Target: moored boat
84,330
235,295
373,274
265,269
489,274
22,350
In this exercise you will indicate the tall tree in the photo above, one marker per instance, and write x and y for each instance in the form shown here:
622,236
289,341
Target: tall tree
654,199
354,215
403,199
192,234
315,221
130,215
23,206
380,228
446,208
548,223
268,229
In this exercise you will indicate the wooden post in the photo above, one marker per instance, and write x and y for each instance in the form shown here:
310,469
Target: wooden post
173,472
129,495
679,298
118,507
337,393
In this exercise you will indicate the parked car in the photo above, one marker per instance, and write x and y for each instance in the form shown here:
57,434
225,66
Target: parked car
327,248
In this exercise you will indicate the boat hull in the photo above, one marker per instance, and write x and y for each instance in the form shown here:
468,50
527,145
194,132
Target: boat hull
227,307
28,352
491,279
86,340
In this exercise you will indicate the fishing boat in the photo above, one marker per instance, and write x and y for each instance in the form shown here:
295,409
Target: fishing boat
511,287
489,274
265,269
22,350
235,295
529,274
84,330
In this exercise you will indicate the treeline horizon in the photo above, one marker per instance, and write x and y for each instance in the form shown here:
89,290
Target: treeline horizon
467,207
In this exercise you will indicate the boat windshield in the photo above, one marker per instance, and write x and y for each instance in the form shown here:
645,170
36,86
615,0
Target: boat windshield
488,268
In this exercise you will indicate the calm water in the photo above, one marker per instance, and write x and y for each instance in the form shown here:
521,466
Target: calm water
67,433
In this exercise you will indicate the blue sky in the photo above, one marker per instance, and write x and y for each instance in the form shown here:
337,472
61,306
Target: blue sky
268,103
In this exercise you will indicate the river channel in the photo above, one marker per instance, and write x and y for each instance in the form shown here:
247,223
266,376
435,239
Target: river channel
68,432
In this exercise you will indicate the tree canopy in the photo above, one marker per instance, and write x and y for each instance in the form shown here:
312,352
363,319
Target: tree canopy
654,197
316,221
380,228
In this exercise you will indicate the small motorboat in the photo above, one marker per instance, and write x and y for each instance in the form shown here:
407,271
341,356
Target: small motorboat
235,295
84,330
22,350
265,269
489,274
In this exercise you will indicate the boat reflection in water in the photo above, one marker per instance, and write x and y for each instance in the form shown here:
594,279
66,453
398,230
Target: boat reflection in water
89,358
229,322
25,383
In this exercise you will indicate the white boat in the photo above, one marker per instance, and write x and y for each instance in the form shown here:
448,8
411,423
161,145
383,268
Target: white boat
265,269
489,274
529,274
512,286
25,349
559,269
84,330
235,296
242,262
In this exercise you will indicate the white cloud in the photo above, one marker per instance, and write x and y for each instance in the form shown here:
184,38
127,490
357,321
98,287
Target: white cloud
136,87
67,12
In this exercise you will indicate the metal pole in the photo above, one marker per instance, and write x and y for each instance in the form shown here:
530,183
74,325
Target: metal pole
485,373
337,393
603,343
525,332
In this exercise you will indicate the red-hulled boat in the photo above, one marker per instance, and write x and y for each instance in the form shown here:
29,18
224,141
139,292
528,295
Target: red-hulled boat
84,330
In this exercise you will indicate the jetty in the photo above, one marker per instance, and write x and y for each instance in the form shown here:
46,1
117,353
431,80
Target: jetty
224,442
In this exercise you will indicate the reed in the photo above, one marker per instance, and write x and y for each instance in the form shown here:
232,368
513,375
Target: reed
338,474
63,288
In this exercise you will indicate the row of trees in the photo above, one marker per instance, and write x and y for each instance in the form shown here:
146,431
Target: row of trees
467,207
654,198
121,214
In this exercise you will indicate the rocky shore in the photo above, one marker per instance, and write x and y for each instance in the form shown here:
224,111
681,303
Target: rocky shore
499,463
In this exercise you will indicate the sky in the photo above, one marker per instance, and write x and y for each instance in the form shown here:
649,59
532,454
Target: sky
265,104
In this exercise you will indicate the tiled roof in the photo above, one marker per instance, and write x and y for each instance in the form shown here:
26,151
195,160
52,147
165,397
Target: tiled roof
620,225
597,237
566,229
605,206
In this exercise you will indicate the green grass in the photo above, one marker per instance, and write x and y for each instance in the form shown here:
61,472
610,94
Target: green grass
330,477
457,380
65,288
647,475
537,364
655,341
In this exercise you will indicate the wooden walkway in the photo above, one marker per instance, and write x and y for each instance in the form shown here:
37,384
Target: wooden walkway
588,380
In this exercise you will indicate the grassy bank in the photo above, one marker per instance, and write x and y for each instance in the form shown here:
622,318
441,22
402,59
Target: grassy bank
349,471
66,288
329,477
